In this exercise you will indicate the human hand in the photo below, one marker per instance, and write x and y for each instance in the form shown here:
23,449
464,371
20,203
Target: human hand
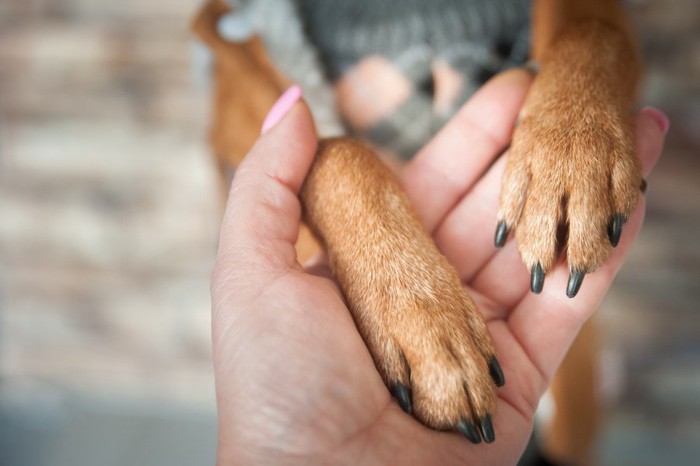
295,383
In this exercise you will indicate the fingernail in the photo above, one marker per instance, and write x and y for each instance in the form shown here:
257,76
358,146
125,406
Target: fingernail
660,117
283,105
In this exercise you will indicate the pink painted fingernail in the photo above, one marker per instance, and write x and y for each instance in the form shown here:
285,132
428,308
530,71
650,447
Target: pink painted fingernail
281,108
660,117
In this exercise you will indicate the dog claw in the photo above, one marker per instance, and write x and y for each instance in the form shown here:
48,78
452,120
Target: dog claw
496,372
615,229
501,234
537,279
486,428
575,280
403,396
469,430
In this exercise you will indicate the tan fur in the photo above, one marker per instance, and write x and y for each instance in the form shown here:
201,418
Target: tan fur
571,160
572,157
246,86
421,327
574,144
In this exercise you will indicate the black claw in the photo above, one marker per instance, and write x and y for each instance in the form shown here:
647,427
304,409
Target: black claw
403,395
575,280
486,428
496,372
501,234
469,430
615,229
537,279
643,187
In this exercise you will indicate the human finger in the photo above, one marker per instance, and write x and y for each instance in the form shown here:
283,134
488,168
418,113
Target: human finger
261,221
448,166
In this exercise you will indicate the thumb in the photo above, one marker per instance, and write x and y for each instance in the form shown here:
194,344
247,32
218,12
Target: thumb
262,216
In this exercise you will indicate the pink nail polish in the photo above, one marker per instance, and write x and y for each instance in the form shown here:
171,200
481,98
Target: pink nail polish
660,117
281,108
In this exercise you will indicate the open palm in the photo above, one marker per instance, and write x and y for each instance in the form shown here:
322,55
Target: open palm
296,384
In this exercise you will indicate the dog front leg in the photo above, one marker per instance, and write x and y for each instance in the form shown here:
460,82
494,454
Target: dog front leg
427,339
572,161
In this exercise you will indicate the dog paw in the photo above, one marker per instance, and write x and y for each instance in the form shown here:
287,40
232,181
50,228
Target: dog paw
428,340
572,178
433,350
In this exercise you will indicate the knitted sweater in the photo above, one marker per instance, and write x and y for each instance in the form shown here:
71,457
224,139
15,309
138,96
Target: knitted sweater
315,41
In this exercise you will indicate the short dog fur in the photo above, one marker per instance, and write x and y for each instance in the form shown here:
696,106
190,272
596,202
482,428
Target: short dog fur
571,163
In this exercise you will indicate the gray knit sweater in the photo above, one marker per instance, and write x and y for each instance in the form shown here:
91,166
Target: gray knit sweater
316,41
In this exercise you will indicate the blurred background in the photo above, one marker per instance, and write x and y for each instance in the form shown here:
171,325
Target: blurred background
109,213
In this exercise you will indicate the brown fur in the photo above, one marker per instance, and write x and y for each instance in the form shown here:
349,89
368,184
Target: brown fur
246,86
572,161
420,325
572,157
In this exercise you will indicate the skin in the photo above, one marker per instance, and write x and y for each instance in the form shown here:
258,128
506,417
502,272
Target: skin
295,383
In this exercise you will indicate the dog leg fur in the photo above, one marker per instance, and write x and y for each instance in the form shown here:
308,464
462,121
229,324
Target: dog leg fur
572,159
246,86
241,104
424,332
573,162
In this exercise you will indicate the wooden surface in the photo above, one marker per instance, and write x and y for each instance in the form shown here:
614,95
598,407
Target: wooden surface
109,215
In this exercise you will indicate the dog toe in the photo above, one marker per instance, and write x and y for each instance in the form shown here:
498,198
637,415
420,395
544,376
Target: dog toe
512,199
583,182
453,389
589,217
537,230
447,374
